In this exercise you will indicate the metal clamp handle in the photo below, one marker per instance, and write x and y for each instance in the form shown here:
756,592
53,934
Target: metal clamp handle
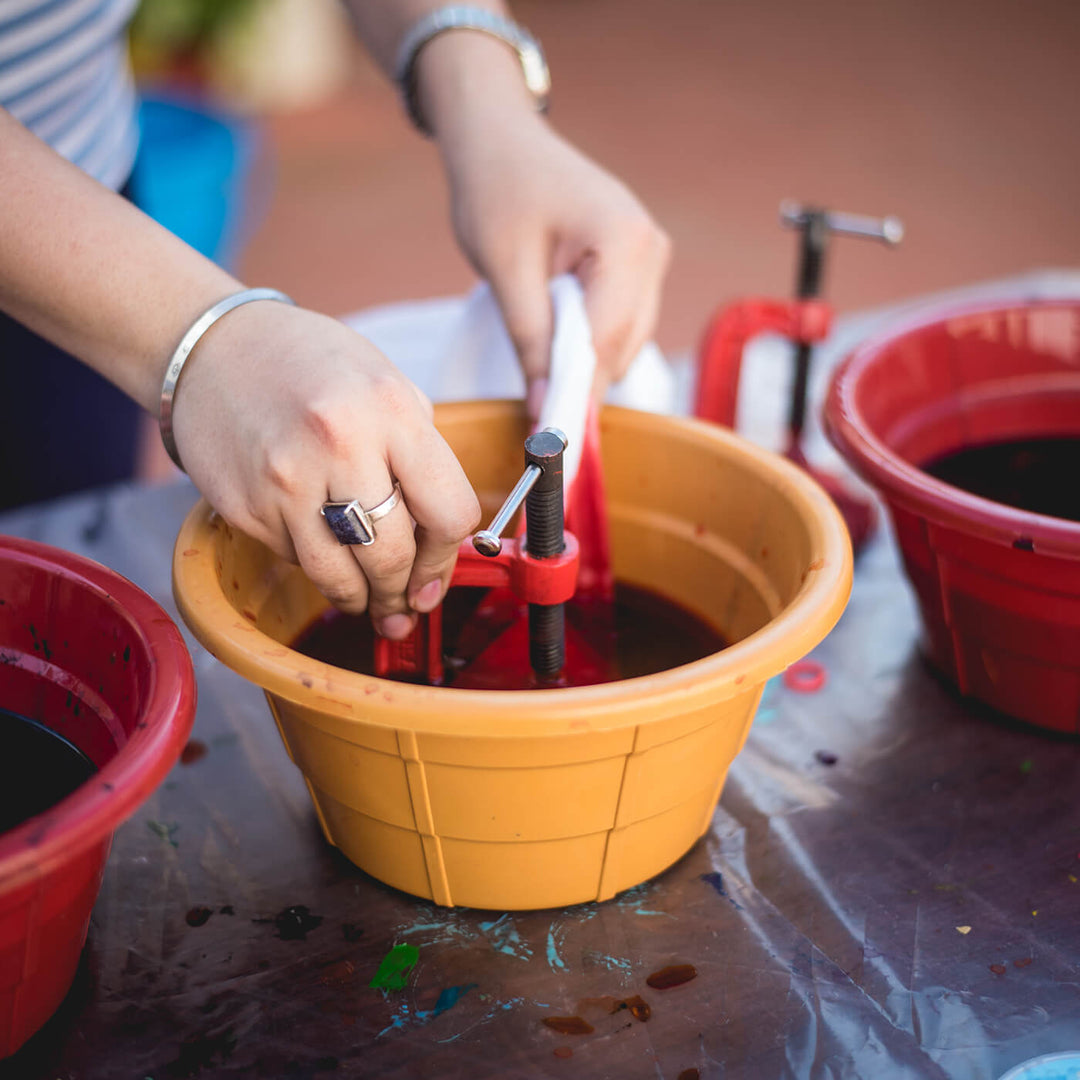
487,541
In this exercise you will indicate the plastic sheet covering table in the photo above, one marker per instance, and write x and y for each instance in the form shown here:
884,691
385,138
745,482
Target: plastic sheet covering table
863,830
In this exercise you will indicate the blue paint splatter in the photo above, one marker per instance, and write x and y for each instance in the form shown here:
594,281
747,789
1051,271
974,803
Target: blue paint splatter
447,1000
716,880
504,936
765,712
501,1006
606,961
397,1020
637,895
555,961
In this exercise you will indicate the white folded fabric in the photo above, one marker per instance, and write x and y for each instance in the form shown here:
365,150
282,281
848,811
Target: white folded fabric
458,350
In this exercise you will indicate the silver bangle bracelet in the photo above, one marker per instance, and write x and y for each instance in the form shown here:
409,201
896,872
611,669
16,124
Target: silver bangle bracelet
183,351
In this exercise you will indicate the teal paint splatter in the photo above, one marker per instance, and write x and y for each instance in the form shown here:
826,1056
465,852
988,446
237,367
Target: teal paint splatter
393,973
555,961
636,896
766,712
593,958
447,1000
499,1007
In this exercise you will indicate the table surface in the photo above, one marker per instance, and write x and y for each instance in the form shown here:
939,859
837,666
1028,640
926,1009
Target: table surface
825,910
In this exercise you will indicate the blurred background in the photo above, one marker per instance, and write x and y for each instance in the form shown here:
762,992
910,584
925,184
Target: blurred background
958,116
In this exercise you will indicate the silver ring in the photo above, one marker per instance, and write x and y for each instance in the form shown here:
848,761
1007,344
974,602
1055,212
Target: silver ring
352,524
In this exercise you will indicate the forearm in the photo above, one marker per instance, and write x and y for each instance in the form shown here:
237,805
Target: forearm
83,268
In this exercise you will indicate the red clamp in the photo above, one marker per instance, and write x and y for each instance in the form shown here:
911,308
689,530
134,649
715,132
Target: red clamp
720,358
532,581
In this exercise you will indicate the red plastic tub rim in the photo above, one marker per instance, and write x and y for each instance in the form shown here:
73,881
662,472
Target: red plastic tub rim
114,792
907,484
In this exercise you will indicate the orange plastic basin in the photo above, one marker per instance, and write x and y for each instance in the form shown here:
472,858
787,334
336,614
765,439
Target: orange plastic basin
540,798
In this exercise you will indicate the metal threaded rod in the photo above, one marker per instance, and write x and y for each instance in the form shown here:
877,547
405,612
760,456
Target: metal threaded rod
544,539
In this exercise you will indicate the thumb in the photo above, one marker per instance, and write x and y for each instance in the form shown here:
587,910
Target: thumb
522,294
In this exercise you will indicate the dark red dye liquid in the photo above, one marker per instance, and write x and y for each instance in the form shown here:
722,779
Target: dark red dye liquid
38,768
485,641
1038,475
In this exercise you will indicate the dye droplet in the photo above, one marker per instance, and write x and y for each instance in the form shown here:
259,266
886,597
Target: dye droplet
638,1006
675,975
689,1074
569,1025
1022,963
192,752
563,1052
198,916
998,969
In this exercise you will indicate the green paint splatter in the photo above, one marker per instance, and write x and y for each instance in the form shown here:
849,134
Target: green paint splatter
393,973
1026,765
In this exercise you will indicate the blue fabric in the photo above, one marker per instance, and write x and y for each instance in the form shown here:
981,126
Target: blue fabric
192,171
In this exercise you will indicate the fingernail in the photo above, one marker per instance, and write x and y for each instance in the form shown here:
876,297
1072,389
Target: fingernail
427,597
395,627
534,397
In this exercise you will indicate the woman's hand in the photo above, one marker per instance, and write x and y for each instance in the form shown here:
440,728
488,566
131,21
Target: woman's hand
281,409
528,206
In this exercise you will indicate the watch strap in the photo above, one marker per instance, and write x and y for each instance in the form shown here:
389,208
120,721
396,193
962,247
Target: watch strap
465,17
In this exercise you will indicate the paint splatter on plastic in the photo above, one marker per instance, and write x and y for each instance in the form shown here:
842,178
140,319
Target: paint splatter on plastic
448,998
554,940
568,1025
166,830
294,923
194,750
504,937
393,973
198,916
674,975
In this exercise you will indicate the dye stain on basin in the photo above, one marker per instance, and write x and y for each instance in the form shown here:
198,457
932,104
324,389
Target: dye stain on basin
640,634
38,768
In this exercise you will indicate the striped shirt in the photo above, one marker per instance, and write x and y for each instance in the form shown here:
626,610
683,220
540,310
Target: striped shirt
64,74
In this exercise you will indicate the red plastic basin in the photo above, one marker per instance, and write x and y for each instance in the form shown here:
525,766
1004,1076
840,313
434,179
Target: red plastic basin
998,588
85,652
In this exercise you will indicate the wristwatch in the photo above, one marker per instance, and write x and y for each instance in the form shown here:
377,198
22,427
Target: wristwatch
462,17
